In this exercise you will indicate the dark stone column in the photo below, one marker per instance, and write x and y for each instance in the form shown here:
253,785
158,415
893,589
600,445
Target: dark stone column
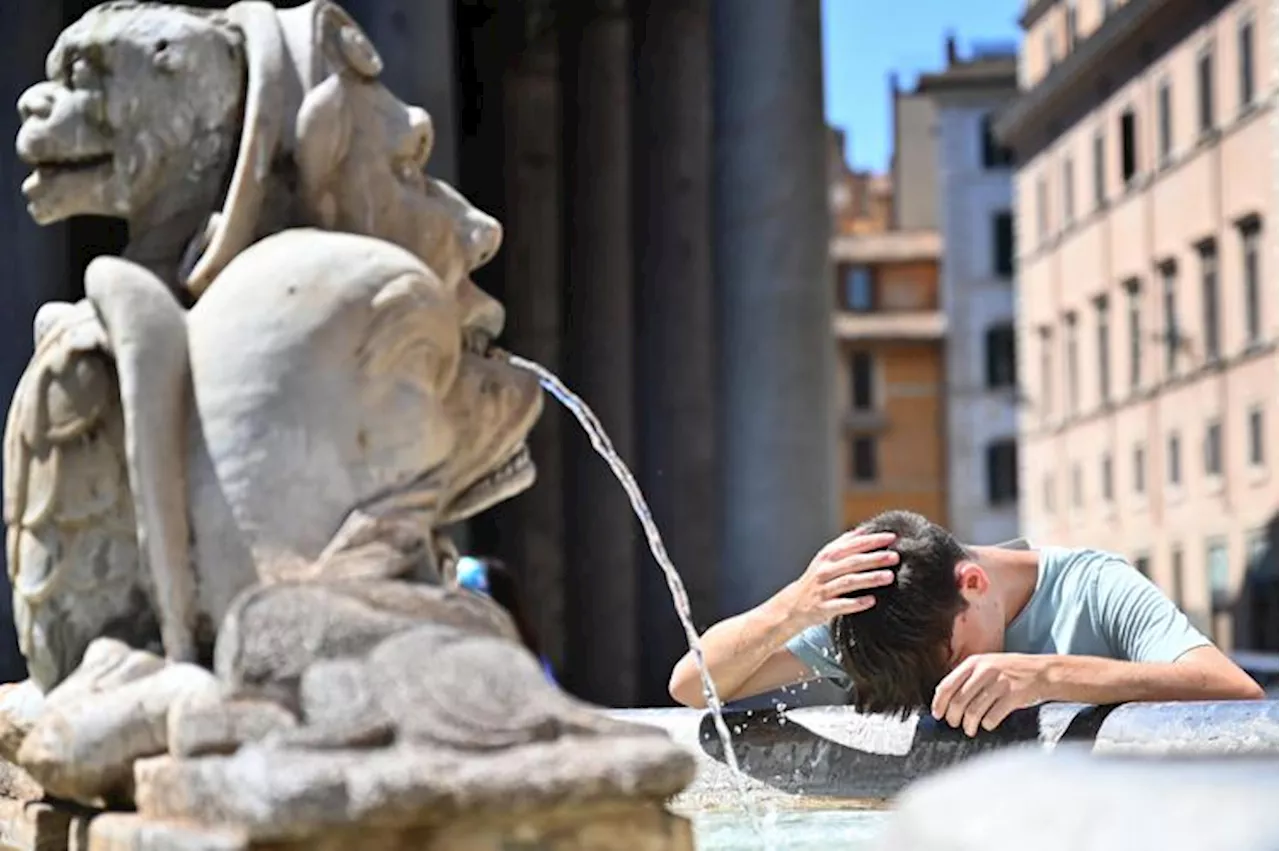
531,526
603,653
416,41
36,268
675,322
775,295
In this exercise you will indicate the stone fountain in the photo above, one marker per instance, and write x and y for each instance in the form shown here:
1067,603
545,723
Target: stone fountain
227,467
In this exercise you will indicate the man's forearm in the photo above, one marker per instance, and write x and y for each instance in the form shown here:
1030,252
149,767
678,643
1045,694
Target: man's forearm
1090,679
733,650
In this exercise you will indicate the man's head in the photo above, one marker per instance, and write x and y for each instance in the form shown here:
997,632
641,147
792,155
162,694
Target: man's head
938,611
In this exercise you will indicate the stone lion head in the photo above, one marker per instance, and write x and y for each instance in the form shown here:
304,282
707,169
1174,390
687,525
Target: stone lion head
136,93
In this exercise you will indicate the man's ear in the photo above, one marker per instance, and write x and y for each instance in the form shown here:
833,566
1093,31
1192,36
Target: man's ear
971,577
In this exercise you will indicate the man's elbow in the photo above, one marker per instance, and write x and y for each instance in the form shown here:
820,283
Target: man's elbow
1245,689
685,687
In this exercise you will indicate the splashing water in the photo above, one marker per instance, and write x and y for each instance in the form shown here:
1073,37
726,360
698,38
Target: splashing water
604,448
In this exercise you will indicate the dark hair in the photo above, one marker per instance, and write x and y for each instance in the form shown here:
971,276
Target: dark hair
504,589
896,652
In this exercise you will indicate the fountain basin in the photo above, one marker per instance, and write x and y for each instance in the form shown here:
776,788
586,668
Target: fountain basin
835,755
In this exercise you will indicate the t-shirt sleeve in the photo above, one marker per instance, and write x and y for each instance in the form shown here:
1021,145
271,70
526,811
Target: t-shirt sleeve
1137,620
815,648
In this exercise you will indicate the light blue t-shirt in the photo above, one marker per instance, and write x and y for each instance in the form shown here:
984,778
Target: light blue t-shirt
1086,603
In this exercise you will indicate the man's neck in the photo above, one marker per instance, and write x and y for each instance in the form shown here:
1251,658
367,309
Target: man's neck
1013,574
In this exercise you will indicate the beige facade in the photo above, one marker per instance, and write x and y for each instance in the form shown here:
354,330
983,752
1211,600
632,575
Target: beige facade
1146,218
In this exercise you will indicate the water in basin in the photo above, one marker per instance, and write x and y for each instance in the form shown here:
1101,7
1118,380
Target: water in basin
804,830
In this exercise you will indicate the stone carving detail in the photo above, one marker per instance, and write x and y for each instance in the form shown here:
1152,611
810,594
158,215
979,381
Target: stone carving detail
226,469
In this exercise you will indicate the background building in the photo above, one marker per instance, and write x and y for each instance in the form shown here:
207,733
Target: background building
1146,222
975,219
889,329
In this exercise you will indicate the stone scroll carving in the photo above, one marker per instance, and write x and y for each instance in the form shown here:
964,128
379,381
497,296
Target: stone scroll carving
226,469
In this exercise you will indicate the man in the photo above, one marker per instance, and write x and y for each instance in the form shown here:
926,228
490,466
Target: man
906,617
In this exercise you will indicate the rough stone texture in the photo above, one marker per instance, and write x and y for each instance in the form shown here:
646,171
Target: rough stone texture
37,826
83,748
293,794
1068,801
634,827
199,728
834,752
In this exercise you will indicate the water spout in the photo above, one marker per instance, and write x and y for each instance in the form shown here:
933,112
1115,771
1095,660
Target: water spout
604,448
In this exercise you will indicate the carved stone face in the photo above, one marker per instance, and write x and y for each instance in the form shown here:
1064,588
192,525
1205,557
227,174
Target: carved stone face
361,155
138,97
331,376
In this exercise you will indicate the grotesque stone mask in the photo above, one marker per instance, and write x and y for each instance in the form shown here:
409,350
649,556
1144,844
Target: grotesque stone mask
130,87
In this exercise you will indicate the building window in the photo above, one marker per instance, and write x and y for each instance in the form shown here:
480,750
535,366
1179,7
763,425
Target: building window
1002,244
1042,211
1213,449
1128,146
1104,349
1175,459
1073,364
1108,6
1204,88
1071,23
1002,472
1050,51
1077,486
1208,251
1133,303
858,292
1175,568
1001,365
1252,291
1164,115
862,381
994,155
1099,170
864,459
1244,49
1046,370
1218,567
1142,564
1172,334
1068,192
1106,479
1048,494
1139,470
1256,437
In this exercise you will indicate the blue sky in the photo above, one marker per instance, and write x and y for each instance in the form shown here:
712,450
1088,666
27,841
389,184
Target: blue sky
863,40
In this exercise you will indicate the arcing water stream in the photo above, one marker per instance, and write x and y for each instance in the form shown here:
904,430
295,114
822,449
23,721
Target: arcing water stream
604,447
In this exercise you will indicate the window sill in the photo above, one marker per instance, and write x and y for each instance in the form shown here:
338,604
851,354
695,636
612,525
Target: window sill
1257,474
1174,495
1213,484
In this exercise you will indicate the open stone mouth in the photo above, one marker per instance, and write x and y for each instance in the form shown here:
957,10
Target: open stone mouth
494,485
74,164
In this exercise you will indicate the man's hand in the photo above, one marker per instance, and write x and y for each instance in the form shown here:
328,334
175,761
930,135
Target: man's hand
851,564
984,689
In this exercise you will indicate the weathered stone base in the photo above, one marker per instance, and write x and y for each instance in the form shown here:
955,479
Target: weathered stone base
611,827
629,827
